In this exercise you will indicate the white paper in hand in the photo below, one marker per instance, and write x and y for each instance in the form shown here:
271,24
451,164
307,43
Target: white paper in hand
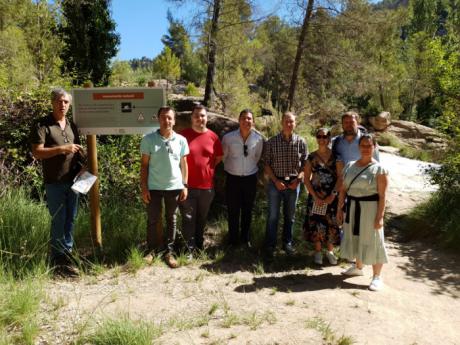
83,183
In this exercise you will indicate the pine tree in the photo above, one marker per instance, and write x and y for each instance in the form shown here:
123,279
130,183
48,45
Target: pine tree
90,40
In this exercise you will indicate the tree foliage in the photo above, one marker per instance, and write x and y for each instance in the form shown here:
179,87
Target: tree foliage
90,40
167,65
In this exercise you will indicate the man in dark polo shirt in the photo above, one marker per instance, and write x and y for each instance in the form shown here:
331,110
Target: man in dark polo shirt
56,143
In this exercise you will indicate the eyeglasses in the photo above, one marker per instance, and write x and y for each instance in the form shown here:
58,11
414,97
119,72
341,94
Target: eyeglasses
245,150
322,136
66,138
168,147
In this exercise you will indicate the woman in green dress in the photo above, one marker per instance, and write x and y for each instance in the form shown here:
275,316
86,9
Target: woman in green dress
364,188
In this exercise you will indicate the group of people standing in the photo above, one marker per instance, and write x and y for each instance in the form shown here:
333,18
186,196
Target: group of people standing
345,184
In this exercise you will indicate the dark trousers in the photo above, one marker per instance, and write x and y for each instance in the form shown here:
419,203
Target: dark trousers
240,193
171,198
194,212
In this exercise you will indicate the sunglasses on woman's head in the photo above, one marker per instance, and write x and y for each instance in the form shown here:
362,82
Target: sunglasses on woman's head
319,136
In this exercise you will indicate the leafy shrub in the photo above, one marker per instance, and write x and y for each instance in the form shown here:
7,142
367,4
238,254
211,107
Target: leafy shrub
438,218
192,90
448,175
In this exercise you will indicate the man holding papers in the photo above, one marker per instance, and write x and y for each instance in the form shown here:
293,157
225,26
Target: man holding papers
55,142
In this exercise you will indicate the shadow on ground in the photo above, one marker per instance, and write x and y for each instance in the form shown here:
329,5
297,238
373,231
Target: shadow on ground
426,260
253,260
300,283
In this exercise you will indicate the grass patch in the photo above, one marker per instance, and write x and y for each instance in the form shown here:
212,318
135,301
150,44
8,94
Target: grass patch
328,334
410,152
135,260
184,324
252,319
437,219
389,139
121,332
19,307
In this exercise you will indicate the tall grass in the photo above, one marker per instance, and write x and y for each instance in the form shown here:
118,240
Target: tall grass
19,307
438,219
24,232
123,226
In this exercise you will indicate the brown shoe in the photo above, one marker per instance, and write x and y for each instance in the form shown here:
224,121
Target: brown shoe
171,261
148,259
66,271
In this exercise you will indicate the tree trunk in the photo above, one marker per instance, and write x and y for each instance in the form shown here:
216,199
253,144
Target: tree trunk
298,57
208,93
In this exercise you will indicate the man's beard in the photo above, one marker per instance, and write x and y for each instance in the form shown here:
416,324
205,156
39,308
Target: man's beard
352,132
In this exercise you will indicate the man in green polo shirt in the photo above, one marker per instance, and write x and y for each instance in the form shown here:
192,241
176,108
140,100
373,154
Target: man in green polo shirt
164,175
55,142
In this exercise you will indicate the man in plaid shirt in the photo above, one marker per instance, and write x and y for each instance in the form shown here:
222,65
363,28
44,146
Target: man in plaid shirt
284,157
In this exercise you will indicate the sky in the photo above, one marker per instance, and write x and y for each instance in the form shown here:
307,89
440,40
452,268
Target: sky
142,23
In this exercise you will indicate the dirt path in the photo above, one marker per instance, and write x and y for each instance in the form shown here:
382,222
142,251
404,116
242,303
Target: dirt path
238,300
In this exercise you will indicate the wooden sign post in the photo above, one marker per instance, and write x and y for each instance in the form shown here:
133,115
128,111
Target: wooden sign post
118,111
94,199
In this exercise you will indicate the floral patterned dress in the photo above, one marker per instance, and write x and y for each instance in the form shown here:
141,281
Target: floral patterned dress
322,228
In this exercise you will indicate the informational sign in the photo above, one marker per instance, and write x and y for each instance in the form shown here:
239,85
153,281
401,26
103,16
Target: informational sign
117,110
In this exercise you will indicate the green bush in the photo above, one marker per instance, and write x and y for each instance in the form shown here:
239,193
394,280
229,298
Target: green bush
192,90
448,175
119,167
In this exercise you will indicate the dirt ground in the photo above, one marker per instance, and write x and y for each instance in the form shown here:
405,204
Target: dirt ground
240,300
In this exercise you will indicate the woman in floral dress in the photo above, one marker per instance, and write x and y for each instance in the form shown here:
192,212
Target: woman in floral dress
322,179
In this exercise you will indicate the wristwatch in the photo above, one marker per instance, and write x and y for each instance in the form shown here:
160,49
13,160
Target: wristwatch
185,185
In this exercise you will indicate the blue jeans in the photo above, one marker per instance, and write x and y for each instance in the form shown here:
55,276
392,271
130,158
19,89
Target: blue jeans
63,205
289,199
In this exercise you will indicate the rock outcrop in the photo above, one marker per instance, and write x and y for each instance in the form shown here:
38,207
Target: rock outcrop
381,121
418,136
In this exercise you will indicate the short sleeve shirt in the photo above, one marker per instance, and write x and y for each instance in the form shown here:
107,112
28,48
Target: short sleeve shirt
349,151
64,167
285,158
236,162
164,164
366,183
204,148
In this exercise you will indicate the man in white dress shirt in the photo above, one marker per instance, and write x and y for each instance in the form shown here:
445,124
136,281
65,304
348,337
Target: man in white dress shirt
242,151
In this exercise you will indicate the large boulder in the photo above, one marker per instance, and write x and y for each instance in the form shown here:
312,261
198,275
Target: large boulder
216,122
381,121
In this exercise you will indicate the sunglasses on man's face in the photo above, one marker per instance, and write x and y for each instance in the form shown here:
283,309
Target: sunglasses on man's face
245,150
319,136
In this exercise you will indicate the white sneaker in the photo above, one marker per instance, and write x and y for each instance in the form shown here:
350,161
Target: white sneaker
332,258
376,284
318,258
353,271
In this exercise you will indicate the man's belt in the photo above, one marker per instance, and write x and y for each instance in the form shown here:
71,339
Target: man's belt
287,179
373,197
